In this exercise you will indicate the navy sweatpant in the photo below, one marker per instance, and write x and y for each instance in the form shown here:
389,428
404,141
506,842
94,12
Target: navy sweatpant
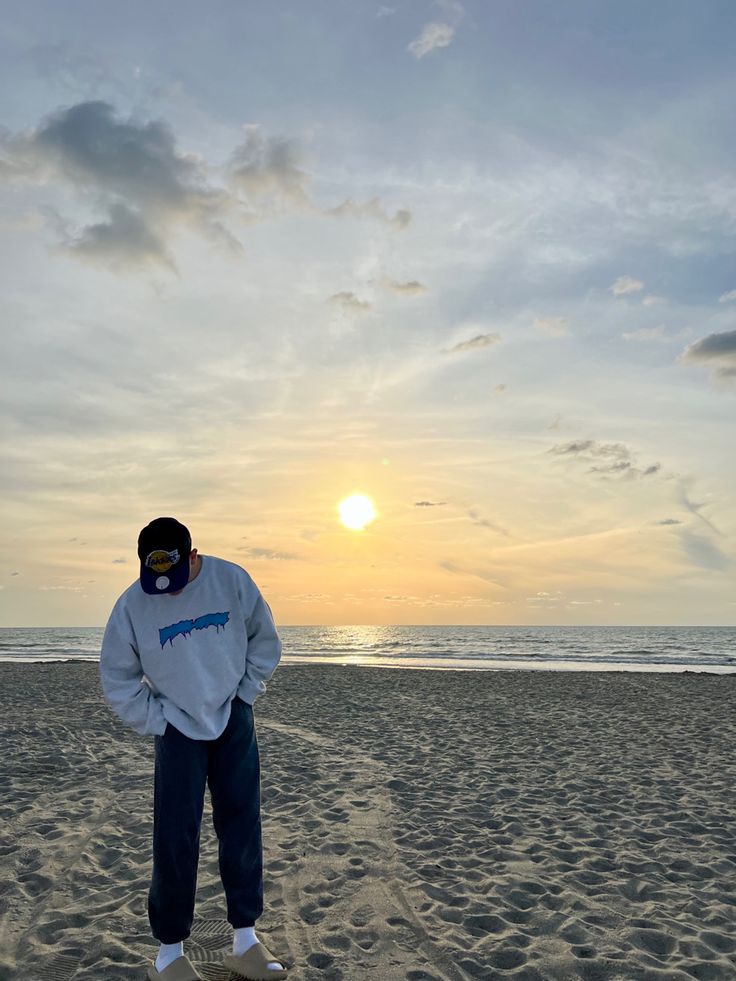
230,767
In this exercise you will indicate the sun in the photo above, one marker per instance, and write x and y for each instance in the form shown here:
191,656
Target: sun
356,511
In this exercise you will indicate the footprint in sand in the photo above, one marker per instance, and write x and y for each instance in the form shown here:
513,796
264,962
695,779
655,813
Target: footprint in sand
353,872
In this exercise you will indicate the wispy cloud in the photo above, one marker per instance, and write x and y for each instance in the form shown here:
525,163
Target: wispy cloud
645,334
372,209
433,35
703,552
554,326
411,288
695,509
625,285
271,172
349,302
269,168
428,504
606,459
474,343
477,518
449,566
727,297
271,554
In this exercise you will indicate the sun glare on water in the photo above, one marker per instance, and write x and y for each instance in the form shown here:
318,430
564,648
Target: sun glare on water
356,511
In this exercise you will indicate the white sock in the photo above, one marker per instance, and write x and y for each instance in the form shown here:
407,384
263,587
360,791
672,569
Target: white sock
169,953
244,938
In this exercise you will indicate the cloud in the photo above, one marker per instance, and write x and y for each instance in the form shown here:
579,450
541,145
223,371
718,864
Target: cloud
141,181
457,570
554,326
428,504
434,35
372,208
476,518
668,521
271,173
651,300
608,459
349,302
626,284
119,561
694,509
91,148
718,351
409,289
727,297
269,168
121,241
479,341
615,466
544,597
646,334
271,554
577,446
703,552
147,189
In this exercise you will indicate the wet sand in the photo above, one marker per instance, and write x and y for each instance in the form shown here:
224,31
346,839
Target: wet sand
418,826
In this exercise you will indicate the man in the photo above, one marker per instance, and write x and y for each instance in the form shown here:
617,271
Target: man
200,631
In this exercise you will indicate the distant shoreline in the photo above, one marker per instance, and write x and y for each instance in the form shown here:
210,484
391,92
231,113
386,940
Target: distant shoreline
558,667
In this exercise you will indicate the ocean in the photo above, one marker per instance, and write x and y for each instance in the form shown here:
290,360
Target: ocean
711,649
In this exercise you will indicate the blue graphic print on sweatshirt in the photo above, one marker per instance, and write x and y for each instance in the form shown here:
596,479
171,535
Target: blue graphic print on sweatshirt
185,627
190,685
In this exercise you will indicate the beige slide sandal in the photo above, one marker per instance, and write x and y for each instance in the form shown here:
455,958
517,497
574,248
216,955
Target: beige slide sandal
253,964
181,969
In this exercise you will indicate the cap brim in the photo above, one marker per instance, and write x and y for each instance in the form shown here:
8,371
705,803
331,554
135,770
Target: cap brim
174,579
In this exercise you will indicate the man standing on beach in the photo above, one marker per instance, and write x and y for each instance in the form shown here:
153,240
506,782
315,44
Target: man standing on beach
200,631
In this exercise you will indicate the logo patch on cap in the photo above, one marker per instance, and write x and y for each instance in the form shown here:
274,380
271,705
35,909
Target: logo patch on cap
162,582
162,561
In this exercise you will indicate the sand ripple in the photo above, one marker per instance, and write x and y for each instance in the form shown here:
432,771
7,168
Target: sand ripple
419,826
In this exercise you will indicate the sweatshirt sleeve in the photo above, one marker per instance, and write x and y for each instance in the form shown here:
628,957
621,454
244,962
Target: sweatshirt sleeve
263,653
121,675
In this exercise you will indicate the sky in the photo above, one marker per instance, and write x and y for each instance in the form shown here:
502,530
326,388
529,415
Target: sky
473,260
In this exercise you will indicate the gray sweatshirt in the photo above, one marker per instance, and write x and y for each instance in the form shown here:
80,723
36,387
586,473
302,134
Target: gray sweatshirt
214,641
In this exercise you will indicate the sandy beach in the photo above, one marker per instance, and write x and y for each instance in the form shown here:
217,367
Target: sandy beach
418,826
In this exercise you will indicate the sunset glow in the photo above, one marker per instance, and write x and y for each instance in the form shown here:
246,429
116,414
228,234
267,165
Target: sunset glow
420,313
356,512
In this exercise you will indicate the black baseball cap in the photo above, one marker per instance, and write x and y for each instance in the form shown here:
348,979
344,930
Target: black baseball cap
163,548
